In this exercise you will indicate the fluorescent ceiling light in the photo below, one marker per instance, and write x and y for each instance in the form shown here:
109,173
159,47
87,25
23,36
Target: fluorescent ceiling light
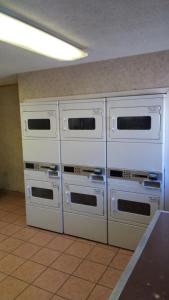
20,34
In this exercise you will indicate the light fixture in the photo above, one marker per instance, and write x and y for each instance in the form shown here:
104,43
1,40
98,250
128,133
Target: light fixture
18,33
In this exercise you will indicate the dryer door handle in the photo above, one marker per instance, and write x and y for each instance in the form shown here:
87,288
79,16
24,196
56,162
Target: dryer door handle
25,125
28,191
65,124
68,197
113,204
113,123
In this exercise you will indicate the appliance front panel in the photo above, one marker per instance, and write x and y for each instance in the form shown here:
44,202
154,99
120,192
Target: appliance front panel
84,153
39,124
136,156
83,199
44,193
132,207
41,150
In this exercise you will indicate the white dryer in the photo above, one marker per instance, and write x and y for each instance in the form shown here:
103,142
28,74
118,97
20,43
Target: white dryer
40,132
135,132
84,202
133,198
43,196
83,132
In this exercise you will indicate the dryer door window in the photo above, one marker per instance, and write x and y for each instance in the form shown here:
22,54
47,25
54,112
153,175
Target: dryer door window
82,123
83,199
134,123
39,124
134,207
42,193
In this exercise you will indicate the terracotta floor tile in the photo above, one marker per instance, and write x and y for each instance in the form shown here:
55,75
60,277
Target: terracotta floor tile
127,252
2,276
41,238
66,263
3,224
29,271
25,234
10,263
51,280
101,255
8,217
56,297
45,256
3,237
10,229
3,254
110,278
10,244
79,249
60,243
90,270
120,261
34,293
100,293
10,288
26,250
76,289
20,221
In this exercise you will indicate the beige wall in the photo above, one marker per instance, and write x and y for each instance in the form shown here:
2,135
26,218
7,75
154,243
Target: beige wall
11,168
130,73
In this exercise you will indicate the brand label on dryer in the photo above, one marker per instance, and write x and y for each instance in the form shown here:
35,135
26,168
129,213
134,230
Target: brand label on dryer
97,111
50,113
154,109
154,199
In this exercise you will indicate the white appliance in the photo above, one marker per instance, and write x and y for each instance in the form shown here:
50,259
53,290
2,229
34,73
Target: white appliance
43,196
40,132
84,202
133,198
83,132
135,132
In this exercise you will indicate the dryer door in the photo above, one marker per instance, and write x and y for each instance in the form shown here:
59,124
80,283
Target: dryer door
132,207
141,123
82,123
43,193
83,199
39,123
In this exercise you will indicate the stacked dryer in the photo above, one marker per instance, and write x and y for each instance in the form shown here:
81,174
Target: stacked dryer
41,154
83,156
135,171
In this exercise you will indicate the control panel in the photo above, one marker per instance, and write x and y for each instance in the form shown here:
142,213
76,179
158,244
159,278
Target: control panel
134,175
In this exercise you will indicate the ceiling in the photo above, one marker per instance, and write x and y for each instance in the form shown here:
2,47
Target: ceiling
107,29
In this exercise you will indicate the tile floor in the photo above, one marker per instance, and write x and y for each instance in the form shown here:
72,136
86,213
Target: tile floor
39,264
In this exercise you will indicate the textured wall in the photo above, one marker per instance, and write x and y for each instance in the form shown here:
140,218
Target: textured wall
11,168
135,72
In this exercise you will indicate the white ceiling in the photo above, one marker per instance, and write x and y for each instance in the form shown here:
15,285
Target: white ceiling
107,28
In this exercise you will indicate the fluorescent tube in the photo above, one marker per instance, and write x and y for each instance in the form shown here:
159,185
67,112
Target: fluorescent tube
20,34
